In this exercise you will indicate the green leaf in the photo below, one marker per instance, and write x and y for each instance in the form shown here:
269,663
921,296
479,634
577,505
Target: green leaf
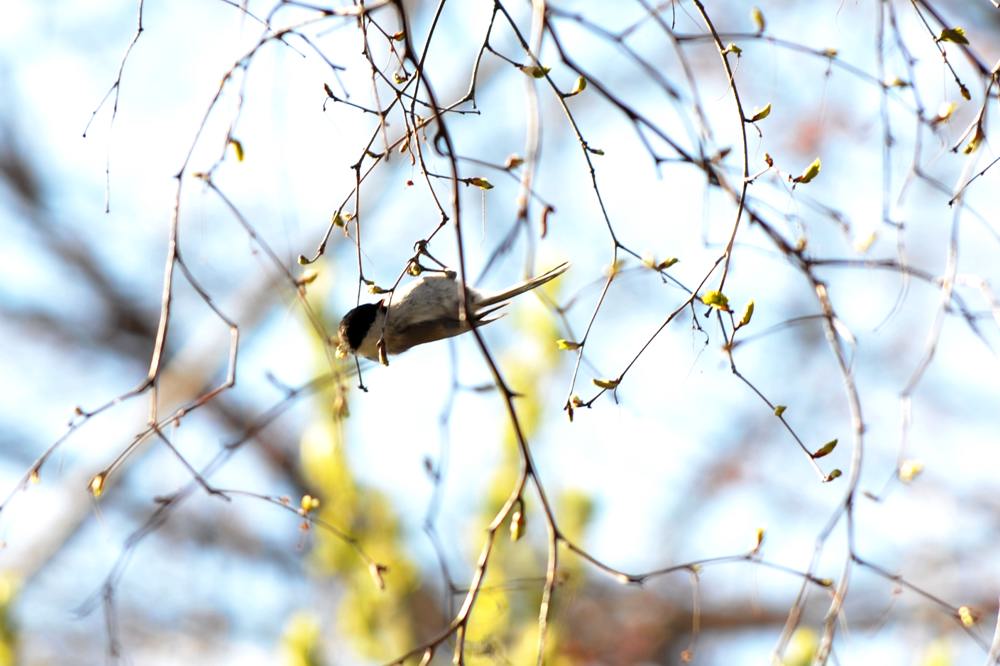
732,48
779,410
535,71
609,384
825,450
578,87
835,474
973,144
747,313
480,183
716,299
811,172
517,524
237,148
758,19
666,263
761,113
956,35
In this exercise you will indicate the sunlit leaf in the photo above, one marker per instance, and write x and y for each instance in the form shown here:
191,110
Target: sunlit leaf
567,345
716,299
967,616
779,409
811,172
535,71
308,503
517,524
956,35
976,140
237,148
667,263
758,19
480,183
909,470
944,112
761,113
747,313
578,87
609,384
863,243
96,485
825,450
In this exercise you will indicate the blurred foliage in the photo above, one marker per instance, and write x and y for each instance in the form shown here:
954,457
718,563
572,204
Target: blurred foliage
300,642
802,648
8,630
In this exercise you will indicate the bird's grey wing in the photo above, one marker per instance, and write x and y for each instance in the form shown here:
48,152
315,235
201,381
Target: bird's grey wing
420,332
429,330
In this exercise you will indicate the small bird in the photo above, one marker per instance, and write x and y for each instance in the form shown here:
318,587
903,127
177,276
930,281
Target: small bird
424,310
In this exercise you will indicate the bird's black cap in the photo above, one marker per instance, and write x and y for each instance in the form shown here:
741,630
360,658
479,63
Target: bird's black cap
356,324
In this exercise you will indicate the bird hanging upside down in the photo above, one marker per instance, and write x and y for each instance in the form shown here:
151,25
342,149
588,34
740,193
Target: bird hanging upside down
425,310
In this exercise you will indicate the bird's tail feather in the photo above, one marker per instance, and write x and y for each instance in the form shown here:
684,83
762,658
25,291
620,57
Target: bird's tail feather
527,285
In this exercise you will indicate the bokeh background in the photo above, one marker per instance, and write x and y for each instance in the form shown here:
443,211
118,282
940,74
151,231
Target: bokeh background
683,463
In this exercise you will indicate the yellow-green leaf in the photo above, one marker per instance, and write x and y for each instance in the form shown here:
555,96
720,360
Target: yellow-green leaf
966,615
732,48
747,313
780,409
567,345
517,525
758,19
973,144
237,148
578,87
480,182
96,484
811,172
825,450
535,71
909,470
835,474
609,384
716,299
667,263
761,113
956,35
944,112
